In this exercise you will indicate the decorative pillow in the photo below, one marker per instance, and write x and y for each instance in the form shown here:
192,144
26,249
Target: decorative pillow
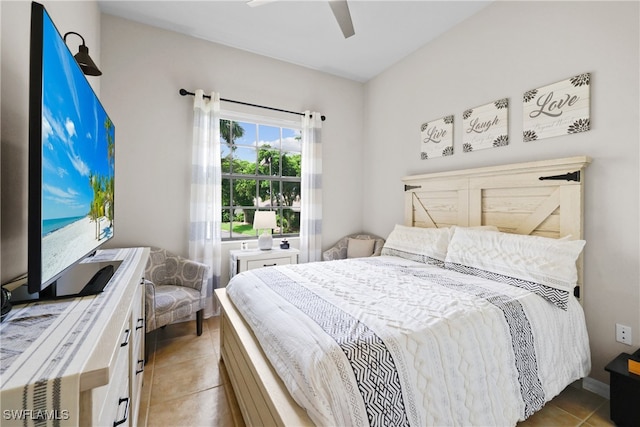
360,248
542,265
426,245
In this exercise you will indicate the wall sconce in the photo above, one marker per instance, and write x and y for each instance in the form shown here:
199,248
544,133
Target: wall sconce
83,59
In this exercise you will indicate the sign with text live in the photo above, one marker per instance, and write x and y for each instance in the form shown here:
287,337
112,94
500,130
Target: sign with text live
437,138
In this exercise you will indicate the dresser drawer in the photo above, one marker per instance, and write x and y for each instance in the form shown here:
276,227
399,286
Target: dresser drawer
117,399
136,372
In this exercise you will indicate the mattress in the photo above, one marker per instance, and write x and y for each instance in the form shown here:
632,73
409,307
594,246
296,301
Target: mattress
388,341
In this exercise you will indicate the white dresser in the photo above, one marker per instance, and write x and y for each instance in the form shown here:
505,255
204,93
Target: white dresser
78,361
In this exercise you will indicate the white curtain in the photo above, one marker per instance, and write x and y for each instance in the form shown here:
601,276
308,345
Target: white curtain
311,197
205,239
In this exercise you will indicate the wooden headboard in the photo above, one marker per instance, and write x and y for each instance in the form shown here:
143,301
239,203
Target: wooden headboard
511,197
544,198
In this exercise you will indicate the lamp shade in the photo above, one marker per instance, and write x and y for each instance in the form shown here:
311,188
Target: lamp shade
264,219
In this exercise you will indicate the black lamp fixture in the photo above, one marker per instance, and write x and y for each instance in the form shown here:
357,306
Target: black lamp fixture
83,59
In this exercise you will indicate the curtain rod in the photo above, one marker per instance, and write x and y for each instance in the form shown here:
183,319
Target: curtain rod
184,92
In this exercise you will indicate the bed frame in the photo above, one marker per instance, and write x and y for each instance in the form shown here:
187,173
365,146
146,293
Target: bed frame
541,198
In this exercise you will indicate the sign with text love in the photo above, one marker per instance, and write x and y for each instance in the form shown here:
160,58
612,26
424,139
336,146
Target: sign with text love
558,109
437,138
485,126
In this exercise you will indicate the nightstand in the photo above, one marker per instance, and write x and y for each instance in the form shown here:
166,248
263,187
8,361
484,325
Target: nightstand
624,391
243,260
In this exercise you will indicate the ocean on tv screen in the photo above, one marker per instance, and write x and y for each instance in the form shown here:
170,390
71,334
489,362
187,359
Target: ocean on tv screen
77,161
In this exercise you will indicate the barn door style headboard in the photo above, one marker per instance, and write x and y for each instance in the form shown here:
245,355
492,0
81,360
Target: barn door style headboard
543,198
540,198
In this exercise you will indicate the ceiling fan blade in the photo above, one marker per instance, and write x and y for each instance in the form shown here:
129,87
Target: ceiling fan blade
340,9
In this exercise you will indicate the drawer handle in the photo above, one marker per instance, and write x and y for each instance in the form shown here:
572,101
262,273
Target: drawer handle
126,411
269,265
141,364
140,324
126,339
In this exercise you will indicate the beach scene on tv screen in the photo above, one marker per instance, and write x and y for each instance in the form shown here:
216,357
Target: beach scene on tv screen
77,161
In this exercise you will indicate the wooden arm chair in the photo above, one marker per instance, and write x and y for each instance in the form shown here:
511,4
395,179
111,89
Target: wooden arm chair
348,248
175,288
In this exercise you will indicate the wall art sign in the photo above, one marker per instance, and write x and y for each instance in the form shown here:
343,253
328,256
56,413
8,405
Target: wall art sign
437,138
561,108
486,126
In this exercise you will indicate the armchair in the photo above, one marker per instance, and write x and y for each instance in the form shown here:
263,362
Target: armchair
341,249
175,288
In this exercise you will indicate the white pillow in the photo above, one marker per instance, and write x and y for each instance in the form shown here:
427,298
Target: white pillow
426,245
542,265
359,248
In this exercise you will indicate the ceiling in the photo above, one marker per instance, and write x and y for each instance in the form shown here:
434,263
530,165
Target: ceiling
305,32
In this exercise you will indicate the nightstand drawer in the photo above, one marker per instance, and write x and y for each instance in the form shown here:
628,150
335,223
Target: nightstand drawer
258,263
244,260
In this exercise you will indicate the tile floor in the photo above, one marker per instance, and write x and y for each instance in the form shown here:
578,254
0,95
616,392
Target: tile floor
184,386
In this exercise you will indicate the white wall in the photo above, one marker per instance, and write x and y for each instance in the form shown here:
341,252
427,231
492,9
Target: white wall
504,50
144,67
81,17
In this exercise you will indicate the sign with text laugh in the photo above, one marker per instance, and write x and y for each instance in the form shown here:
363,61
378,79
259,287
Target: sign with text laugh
486,126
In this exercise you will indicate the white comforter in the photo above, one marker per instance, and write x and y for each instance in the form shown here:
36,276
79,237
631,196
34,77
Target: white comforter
385,341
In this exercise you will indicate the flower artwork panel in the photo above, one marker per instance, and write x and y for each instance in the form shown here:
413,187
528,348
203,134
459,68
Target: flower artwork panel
558,109
437,138
486,126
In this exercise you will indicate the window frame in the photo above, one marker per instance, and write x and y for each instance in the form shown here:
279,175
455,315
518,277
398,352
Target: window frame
258,177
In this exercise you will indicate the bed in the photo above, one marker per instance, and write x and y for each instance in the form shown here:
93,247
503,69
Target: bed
439,330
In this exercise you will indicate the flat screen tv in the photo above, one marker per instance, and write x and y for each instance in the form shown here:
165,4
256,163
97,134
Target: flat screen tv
71,160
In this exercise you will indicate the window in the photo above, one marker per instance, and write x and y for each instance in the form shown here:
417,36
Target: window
261,164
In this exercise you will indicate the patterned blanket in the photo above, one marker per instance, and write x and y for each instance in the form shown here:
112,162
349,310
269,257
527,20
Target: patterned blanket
383,341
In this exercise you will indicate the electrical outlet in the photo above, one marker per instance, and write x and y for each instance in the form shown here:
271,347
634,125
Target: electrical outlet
623,334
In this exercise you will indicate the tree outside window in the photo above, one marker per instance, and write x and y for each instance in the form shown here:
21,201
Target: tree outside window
261,169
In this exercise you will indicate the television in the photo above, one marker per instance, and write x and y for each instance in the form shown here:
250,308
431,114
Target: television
71,161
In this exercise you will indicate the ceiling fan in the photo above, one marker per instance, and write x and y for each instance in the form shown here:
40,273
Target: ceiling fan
340,9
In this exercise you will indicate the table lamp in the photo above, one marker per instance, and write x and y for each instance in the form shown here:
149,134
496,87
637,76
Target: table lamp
264,220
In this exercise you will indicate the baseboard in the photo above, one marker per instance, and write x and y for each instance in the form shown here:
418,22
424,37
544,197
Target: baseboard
595,386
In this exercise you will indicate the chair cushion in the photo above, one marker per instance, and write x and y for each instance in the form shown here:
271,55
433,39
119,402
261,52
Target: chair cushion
359,248
177,299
